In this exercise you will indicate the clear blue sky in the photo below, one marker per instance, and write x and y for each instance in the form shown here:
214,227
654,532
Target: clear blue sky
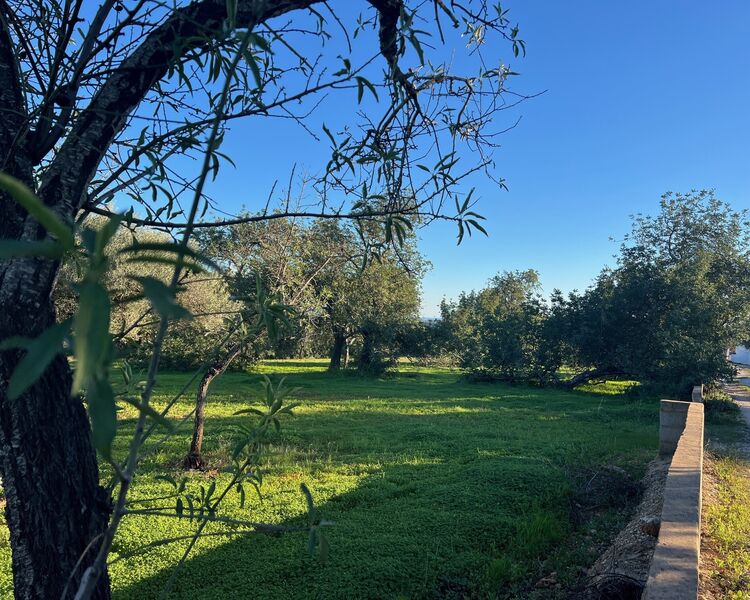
641,97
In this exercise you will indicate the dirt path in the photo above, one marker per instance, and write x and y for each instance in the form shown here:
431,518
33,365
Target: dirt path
741,395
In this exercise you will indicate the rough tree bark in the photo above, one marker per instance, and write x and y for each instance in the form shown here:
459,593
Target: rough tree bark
194,459
55,506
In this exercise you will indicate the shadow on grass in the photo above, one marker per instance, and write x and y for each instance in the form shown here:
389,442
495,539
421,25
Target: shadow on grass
425,531
428,479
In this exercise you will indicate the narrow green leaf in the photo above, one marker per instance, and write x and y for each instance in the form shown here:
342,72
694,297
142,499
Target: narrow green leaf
91,329
103,413
16,341
330,135
36,208
476,225
162,298
23,248
168,478
361,84
170,249
210,492
39,354
249,411
360,90
253,64
151,412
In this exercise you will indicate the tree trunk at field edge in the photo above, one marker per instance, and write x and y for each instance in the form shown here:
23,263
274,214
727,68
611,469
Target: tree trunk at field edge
366,356
194,459
346,352
589,375
339,342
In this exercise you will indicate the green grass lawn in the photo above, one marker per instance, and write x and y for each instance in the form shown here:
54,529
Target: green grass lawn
438,488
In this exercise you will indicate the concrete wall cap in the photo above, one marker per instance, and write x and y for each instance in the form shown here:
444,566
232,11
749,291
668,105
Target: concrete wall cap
674,567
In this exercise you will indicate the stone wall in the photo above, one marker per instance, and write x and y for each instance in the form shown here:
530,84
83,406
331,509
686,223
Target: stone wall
674,568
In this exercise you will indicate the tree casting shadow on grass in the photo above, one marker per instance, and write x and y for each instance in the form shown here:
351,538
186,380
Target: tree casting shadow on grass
443,494
424,530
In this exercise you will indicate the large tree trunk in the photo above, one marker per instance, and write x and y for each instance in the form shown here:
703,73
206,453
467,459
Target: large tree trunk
339,343
55,507
194,459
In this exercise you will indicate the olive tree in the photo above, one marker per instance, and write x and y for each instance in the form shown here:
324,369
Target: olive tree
104,102
278,261
675,302
382,301
133,322
498,330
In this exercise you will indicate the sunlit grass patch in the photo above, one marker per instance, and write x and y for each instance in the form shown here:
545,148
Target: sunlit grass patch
609,386
728,525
